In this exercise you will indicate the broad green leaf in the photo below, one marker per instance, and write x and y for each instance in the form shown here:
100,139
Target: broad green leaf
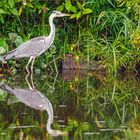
14,12
2,11
18,41
15,38
29,5
47,8
78,15
73,16
2,42
73,9
68,5
3,46
40,10
11,3
87,11
20,11
3,95
60,8
1,19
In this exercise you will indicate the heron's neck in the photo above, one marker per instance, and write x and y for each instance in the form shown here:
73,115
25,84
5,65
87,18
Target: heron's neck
52,28
48,126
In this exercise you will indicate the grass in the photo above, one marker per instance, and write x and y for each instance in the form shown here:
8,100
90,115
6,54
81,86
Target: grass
110,34
91,99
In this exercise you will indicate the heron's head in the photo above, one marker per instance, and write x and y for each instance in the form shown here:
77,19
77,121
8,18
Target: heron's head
58,14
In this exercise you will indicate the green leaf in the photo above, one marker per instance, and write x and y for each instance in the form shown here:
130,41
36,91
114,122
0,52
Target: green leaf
2,11
11,3
14,71
73,9
14,12
2,42
78,15
87,11
40,10
1,19
68,5
3,46
3,95
18,41
20,11
60,8
73,16
29,5
84,3
79,5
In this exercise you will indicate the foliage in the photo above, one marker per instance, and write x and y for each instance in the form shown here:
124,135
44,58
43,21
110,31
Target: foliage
93,106
107,27
135,38
78,10
134,4
102,30
7,7
3,46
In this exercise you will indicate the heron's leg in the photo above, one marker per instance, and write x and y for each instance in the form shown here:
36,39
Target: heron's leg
32,82
32,65
27,81
28,65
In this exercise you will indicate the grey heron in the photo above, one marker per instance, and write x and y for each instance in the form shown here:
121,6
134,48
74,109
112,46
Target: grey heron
36,100
35,46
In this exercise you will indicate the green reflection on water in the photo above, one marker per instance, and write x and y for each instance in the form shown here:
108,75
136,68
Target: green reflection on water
86,105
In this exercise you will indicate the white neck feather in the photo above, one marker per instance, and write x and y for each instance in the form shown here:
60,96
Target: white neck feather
52,28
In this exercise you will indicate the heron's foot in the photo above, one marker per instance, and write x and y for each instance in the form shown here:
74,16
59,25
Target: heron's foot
56,133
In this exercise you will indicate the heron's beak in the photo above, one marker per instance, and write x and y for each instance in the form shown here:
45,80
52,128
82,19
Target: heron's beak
63,14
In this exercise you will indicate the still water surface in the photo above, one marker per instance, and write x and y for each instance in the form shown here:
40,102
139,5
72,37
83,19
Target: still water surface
71,105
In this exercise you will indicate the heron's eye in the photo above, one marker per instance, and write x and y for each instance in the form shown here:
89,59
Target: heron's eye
57,14
53,12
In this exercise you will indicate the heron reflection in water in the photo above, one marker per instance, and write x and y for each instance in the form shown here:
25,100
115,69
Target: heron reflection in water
34,99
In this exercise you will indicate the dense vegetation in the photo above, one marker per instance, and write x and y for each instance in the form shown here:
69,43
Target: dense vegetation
103,30
97,107
107,31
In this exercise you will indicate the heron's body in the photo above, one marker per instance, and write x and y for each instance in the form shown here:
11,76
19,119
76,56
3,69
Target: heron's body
35,46
30,48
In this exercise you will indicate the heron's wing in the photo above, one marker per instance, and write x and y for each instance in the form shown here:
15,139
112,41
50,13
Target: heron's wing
33,47
31,98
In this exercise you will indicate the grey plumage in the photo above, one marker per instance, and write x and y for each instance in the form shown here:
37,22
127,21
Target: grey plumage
31,97
33,47
36,46
34,99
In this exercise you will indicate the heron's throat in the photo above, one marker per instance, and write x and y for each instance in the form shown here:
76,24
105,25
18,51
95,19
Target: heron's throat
52,28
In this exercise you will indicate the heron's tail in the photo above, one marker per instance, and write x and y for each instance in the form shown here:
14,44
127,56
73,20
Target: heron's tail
9,55
6,88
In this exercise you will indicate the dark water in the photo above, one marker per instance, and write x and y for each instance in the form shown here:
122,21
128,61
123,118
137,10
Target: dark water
71,105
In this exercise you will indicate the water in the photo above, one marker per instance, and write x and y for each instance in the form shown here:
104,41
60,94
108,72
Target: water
71,105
